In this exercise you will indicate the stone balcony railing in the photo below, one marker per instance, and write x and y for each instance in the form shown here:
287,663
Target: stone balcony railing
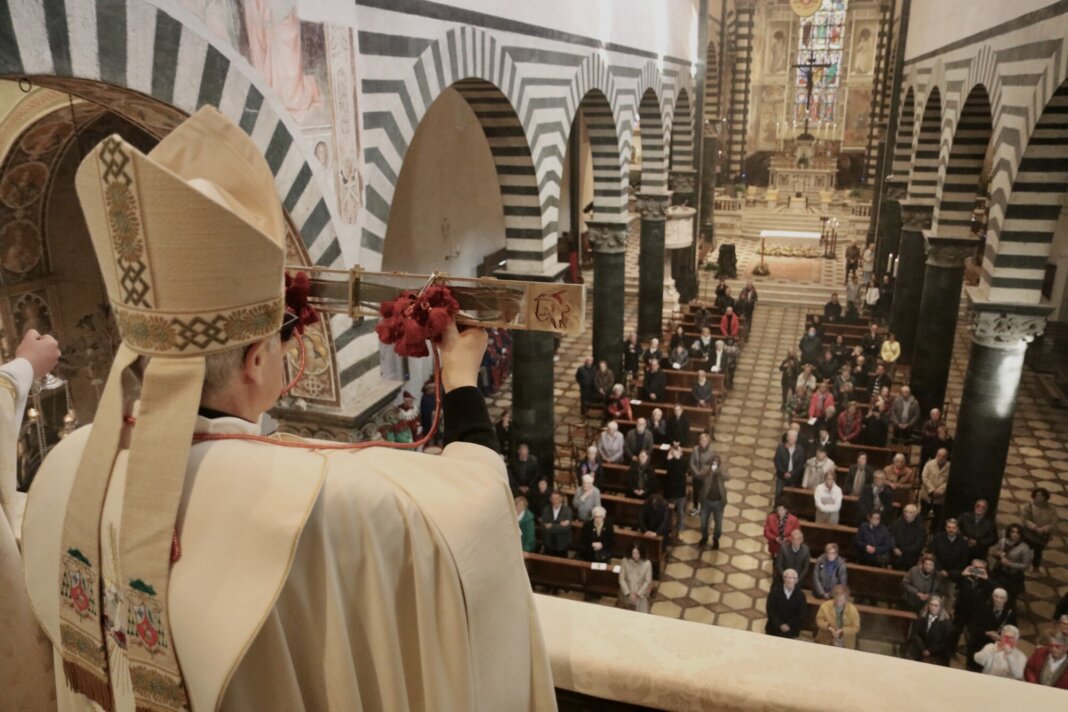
626,658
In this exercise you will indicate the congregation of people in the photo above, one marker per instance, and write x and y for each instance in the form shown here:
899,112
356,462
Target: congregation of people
854,430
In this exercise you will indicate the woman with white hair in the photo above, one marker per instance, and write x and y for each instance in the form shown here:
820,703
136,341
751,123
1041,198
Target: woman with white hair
592,466
610,444
597,538
618,405
1003,658
586,499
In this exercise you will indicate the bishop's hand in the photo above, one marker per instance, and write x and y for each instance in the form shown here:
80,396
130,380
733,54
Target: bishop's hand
461,357
41,351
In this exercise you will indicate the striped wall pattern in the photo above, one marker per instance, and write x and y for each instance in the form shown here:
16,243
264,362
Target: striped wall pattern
1022,64
526,245
959,181
609,198
654,157
880,93
132,45
923,179
902,160
712,83
1035,204
740,76
544,84
682,135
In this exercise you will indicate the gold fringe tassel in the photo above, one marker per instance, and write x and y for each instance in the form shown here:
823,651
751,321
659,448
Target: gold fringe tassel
87,683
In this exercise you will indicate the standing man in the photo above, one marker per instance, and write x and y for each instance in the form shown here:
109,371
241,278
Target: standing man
556,518
585,376
713,499
789,464
786,607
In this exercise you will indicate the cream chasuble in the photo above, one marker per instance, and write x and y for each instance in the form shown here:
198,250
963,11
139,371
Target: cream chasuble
334,580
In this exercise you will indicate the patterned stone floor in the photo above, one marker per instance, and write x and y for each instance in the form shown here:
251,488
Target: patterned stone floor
728,587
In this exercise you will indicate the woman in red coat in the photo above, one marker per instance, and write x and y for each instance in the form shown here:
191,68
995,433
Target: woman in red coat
729,324
778,527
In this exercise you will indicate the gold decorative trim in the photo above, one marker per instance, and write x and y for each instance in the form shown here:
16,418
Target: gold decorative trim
8,386
159,333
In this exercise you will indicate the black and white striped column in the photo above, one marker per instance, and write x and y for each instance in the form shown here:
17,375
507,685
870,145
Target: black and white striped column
653,209
609,241
880,95
743,63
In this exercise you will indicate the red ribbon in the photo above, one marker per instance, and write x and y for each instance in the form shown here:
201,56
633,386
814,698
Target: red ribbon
412,319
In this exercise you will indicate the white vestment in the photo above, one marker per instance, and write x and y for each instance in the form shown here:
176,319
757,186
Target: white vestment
324,580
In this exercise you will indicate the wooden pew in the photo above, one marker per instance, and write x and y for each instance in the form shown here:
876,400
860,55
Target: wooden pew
683,382
884,624
572,574
869,582
615,476
625,426
817,536
622,511
623,539
701,419
878,457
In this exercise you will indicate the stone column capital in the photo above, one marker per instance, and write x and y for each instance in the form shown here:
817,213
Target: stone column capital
916,215
948,251
608,236
653,206
684,181
1003,325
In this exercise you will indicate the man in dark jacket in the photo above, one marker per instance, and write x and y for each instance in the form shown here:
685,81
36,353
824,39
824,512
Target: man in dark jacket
655,384
786,607
979,530
678,426
638,440
909,535
789,464
832,310
878,498
811,347
951,552
654,517
872,343
861,475
874,543
556,518
523,474
794,555
973,592
585,376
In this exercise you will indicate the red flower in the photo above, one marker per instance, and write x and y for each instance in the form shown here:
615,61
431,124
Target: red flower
410,319
298,287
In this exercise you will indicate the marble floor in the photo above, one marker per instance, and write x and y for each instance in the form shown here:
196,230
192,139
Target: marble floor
728,587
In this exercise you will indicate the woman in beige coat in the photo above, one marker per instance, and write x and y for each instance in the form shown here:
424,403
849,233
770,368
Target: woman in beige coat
838,621
636,580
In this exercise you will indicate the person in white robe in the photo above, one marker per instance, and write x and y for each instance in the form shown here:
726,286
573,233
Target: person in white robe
243,572
25,655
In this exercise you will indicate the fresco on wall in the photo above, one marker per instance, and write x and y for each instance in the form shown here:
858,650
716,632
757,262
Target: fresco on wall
862,60
341,62
776,59
857,117
220,16
769,113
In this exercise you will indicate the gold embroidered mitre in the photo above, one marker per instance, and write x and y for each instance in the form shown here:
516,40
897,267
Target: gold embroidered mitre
191,243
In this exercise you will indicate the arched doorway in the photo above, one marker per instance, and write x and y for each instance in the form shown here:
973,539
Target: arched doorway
51,280
448,209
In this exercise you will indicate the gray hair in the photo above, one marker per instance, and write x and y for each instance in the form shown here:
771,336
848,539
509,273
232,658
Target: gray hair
1058,639
599,511
1011,630
220,369
587,478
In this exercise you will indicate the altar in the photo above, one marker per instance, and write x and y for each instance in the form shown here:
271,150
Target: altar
803,171
790,238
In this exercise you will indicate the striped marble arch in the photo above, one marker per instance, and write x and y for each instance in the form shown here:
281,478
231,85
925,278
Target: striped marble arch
682,134
654,160
959,181
1015,265
906,127
923,178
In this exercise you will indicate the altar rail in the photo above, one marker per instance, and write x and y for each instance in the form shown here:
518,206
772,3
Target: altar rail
630,658
727,204
860,210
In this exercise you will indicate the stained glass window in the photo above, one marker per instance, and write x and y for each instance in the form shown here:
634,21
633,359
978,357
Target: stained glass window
821,42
